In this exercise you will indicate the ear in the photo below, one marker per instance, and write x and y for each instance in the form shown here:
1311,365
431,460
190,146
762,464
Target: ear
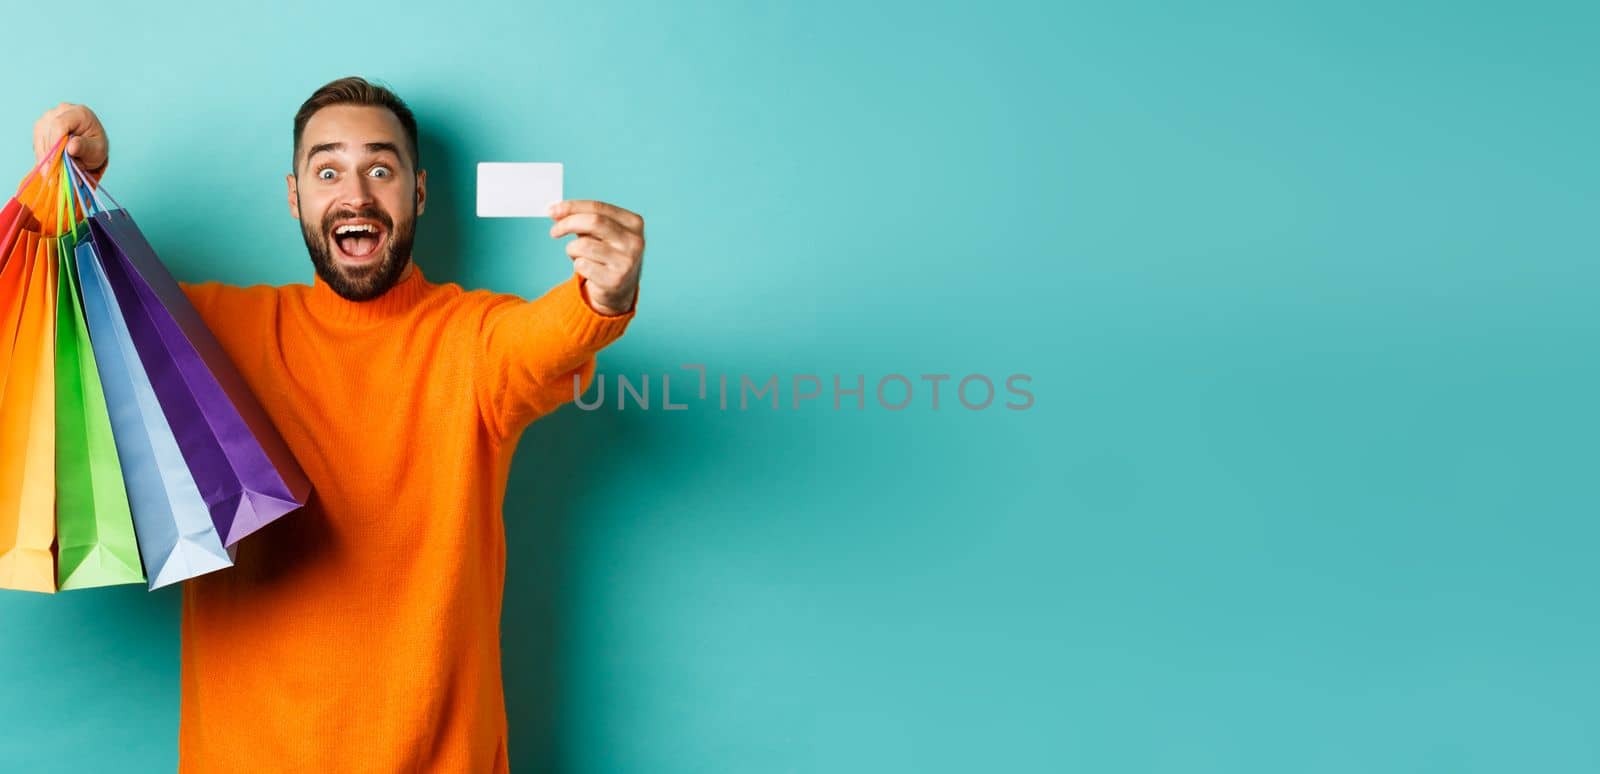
422,189
294,197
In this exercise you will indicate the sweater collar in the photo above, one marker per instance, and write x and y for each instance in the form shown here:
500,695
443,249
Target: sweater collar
324,302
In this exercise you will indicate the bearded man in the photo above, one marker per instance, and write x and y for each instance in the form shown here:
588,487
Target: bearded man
361,634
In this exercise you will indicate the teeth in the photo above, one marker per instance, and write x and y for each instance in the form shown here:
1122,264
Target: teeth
352,229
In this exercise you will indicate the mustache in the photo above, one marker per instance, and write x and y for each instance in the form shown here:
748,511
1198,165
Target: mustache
368,213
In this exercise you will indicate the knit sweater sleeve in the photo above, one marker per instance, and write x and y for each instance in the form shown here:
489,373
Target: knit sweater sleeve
532,350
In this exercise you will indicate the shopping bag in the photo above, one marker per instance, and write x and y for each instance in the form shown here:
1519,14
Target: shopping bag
177,539
27,425
95,543
13,278
11,215
27,410
131,449
14,273
10,223
242,466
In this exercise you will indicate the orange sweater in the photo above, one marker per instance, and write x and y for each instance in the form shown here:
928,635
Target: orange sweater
362,633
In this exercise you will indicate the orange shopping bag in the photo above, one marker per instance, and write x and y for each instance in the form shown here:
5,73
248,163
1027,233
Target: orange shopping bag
27,392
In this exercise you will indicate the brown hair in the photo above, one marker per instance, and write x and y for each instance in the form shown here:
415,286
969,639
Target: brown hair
355,90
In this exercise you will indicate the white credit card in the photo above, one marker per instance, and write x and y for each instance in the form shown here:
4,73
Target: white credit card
517,189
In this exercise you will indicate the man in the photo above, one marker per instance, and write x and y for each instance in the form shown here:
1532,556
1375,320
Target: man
361,634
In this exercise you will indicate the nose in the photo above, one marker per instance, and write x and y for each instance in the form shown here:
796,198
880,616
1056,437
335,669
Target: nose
356,194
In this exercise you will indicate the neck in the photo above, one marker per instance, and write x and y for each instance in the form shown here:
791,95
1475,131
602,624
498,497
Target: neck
396,301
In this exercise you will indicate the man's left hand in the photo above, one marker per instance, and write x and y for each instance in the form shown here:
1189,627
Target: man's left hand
607,253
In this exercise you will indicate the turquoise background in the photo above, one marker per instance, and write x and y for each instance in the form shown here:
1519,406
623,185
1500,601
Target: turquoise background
1307,296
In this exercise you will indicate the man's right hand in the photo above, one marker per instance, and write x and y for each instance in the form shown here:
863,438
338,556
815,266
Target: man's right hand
88,145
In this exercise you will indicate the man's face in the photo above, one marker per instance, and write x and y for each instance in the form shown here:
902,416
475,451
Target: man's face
357,198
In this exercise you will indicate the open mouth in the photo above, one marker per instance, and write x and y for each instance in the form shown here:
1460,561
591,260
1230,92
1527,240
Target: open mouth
358,240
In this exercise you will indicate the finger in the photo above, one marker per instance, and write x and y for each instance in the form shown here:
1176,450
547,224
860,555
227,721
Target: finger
597,251
626,218
74,119
56,123
91,152
50,141
601,277
599,226
45,135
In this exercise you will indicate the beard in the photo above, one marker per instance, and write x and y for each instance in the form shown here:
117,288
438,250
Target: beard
361,283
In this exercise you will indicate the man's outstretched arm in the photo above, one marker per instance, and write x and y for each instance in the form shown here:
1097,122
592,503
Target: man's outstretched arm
533,350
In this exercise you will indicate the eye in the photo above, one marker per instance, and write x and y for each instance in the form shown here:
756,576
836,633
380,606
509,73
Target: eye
326,173
380,171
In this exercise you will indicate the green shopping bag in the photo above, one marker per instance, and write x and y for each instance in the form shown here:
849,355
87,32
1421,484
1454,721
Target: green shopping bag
95,543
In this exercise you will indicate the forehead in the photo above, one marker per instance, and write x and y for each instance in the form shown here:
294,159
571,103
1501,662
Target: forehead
353,125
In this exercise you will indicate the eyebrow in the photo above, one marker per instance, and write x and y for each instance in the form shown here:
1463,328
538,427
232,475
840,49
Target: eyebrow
372,147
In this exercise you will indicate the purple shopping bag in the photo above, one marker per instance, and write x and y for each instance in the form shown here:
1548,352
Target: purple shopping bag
244,470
